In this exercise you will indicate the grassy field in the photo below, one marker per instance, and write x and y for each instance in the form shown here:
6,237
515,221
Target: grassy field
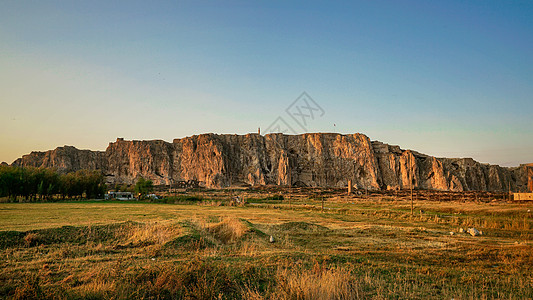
353,249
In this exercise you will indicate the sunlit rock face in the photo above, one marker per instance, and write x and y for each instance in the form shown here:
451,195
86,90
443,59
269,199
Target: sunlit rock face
313,160
64,159
129,160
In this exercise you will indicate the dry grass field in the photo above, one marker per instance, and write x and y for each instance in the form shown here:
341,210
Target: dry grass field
354,248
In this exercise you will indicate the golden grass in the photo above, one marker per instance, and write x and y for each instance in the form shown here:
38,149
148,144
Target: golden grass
151,233
228,230
318,283
359,250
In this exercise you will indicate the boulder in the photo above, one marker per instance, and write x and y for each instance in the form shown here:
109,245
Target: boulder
473,232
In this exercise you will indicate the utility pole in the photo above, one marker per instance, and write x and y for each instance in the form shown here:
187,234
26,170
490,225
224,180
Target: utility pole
509,190
411,182
290,183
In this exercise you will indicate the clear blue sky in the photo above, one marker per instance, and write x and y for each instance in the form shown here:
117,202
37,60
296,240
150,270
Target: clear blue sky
446,78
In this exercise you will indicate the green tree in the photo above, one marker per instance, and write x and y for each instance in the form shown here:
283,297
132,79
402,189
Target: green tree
43,183
143,186
10,182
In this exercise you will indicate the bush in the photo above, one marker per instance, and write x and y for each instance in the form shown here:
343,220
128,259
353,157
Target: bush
180,198
275,197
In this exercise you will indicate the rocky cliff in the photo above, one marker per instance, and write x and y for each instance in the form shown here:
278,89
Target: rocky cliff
313,159
64,159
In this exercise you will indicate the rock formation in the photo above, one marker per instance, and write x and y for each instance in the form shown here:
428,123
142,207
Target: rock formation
64,159
313,159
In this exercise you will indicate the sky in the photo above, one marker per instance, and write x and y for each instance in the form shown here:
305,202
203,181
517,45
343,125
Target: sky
445,78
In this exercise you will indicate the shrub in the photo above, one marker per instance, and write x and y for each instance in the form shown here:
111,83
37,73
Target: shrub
275,197
31,239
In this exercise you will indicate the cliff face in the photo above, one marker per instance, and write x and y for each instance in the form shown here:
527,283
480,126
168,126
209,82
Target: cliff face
64,159
448,174
314,159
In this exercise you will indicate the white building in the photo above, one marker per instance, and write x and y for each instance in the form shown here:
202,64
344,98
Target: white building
119,195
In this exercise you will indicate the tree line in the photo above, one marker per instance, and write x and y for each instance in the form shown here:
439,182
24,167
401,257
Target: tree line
38,184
